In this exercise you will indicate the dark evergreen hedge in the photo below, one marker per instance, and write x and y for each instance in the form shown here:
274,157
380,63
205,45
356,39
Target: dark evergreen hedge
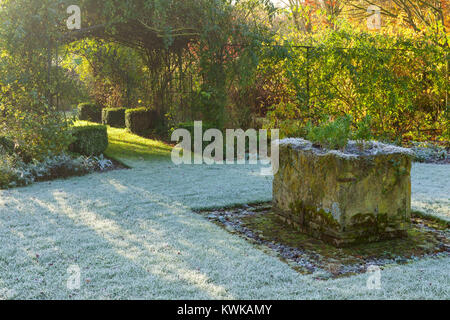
89,140
114,117
90,112
141,120
189,126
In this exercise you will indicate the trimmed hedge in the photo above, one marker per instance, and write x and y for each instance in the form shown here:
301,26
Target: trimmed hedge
141,120
90,112
189,126
89,140
7,145
114,117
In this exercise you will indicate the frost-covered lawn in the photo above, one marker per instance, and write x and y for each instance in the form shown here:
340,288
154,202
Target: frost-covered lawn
133,234
431,189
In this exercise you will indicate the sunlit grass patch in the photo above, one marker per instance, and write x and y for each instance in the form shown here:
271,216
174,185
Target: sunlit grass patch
123,144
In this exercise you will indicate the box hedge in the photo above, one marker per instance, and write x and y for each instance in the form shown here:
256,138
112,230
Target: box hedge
114,117
141,120
90,112
189,126
89,140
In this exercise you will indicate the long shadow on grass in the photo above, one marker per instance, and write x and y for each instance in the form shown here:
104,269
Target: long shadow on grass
58,227
152,218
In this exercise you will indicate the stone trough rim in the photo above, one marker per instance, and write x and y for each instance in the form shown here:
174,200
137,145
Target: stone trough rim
375,148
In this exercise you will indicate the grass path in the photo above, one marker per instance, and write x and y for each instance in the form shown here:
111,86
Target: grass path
133,234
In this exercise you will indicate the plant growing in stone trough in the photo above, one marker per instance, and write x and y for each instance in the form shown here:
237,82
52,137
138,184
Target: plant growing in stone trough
363,132
332,135
336,134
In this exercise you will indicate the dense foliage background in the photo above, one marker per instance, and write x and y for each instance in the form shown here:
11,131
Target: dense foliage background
240,63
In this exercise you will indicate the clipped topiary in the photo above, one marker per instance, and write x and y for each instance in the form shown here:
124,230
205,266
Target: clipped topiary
90,112
114,117
141,120
89,140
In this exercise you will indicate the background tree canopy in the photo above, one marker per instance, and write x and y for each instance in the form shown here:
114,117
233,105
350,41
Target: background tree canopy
225,62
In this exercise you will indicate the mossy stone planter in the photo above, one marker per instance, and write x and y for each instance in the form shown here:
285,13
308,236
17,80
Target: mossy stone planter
345,197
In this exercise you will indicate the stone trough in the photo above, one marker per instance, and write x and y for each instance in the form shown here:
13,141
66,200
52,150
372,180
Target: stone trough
344,197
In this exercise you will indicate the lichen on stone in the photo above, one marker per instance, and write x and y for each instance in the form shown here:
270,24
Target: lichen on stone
352,150
341,197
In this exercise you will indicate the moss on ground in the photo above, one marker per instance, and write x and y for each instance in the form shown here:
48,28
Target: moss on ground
423,239
432,221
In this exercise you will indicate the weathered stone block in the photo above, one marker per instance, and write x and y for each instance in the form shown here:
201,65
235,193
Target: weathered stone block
359,195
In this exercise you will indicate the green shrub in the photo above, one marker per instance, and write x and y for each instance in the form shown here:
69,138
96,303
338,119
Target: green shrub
287,117
90,112
9,175
363,131
6,177
89,140
141,120
114,117
332,135
7,145
189,126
